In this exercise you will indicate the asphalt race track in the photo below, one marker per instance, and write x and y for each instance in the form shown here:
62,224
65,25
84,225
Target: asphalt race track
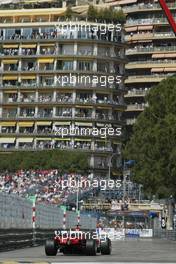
128,250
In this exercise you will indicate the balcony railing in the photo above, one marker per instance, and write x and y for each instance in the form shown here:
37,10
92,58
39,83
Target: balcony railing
67,35
150,76
150,49
130,121
136,93
136,107
50,144
153,20
17,52
148,6
149,36
158,61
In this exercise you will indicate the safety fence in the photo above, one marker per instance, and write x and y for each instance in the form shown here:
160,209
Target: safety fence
26,223
16,212
164,234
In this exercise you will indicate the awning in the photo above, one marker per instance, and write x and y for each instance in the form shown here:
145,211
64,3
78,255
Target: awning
25,140
62,139
10,92
10,46
28,77
84,106
124,2
62,123
9,61
145,27
7,140
100,125
170,69
47,45
28,46
144,40
43,139
8,124
27,91
102,140
83,124
49,60
158,55
103,107
129,29
26,124
34,1
82,139
157,69
169,55
10,77
43,123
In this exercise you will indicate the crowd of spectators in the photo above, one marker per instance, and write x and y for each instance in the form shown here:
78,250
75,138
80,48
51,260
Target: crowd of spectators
49,186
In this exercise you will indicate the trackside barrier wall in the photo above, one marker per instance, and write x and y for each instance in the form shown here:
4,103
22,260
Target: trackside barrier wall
16,212
165,234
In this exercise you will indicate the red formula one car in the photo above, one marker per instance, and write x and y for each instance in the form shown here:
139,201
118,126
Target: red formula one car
78,242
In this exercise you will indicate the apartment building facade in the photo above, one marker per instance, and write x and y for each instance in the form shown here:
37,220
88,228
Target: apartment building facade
42,60
151,51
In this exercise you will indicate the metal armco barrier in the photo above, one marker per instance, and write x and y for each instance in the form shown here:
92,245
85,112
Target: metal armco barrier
18,228
18,238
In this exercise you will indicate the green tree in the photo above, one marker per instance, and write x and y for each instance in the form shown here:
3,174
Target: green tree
118,16
92,13
107,15
153,143
68,13
65,161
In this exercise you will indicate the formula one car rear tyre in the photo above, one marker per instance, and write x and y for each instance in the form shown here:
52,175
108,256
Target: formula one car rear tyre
50,248
105,247
91,248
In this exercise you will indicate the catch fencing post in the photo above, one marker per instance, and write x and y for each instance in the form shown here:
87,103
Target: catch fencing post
64,216
78,217
33,200
34,222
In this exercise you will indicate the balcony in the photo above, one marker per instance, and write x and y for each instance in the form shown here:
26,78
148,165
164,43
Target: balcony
166,63
67,35
9,114
146,7
150,49
46,113
83,115
136,93
136,107
102,148
45,98
27,113
64,98
64,113
27,52
9,52
29,67
152,78
148,21
130,121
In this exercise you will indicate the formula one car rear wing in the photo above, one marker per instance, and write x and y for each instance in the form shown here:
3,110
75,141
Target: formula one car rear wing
168,15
